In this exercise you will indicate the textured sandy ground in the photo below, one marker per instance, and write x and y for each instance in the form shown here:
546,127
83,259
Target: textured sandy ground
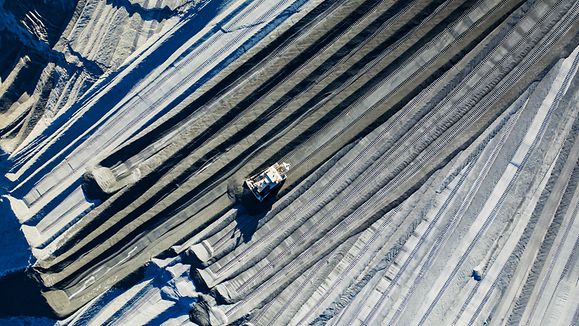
434,150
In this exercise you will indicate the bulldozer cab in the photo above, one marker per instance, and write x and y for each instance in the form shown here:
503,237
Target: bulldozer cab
263,183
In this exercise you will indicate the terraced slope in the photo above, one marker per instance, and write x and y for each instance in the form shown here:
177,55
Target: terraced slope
434,159
56,52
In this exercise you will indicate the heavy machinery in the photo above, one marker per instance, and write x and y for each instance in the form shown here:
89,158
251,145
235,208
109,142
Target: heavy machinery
262,184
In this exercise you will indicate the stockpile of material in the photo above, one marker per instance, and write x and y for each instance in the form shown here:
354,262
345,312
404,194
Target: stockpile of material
434,160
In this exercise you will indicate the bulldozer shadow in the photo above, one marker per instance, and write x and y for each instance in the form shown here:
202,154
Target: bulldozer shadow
250,211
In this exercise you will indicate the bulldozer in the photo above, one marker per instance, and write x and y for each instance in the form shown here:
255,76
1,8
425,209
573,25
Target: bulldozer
265,182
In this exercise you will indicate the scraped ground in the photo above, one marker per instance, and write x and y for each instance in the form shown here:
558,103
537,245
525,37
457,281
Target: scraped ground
434,149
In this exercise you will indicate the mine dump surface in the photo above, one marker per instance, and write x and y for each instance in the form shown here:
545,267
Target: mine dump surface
433,148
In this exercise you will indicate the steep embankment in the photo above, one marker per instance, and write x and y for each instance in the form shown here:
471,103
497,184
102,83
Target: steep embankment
56,51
